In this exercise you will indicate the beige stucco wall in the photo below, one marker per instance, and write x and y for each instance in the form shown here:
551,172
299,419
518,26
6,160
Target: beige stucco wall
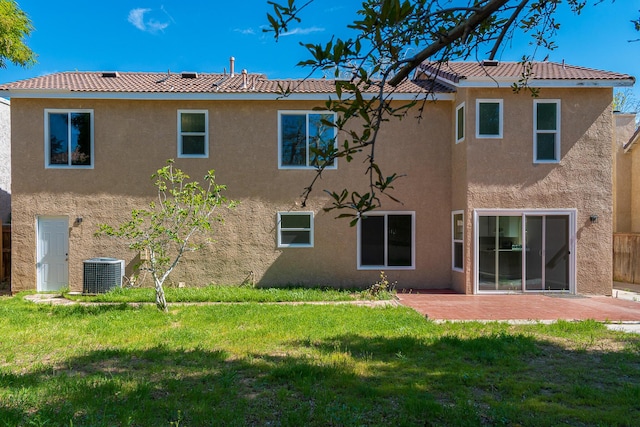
501,173
622,177
459,186
635,190
5,160
134,138
627,176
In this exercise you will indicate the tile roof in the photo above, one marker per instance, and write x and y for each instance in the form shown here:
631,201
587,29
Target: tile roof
457,71
130,82
447,76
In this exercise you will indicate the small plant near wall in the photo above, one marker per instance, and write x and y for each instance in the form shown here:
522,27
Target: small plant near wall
172,225
381,286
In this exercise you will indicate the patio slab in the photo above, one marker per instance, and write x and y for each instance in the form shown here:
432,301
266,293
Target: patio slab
522,307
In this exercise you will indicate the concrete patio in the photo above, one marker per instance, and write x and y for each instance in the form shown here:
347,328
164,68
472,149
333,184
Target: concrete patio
623,306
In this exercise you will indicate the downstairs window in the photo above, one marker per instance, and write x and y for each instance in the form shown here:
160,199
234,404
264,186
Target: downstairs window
386,240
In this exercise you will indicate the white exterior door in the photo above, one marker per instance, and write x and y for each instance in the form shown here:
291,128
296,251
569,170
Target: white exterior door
53,253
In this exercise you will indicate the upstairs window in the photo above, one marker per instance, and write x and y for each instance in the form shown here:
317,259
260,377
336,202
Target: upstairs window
193,133
546,125
304,137
386,240
295,229
460,123
68,137
489,118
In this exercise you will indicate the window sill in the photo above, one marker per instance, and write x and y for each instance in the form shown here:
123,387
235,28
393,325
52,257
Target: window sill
68,167
546,162
306,168
488,136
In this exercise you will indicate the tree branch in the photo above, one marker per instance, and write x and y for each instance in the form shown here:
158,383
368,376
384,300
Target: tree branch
458,32
506,28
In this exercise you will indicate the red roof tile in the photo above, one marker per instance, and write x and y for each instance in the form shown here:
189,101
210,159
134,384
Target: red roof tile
126,82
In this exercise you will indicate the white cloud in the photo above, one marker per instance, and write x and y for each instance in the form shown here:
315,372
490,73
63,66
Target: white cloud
137,19
246,31
302,31
154,26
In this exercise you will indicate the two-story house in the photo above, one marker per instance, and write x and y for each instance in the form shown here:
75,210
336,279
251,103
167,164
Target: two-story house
503,191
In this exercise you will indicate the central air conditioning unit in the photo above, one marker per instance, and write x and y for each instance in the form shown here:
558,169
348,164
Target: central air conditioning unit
102,274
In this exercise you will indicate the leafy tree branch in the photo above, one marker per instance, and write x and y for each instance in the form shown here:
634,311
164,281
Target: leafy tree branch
15,27
372,66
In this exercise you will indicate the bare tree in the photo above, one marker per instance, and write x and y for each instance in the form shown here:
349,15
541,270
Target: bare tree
625,101
168,229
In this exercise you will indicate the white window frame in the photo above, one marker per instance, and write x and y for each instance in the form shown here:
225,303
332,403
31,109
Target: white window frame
205,134
306,113
464,128
47,146
386,215
280,229
500,113
454,240
556,132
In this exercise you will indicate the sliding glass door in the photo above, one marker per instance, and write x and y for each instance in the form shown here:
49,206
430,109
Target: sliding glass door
547,254
500,253
519,251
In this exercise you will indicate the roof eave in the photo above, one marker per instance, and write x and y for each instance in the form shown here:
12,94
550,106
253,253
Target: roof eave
555,83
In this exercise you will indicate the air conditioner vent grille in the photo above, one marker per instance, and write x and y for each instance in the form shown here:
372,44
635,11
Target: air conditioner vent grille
101,275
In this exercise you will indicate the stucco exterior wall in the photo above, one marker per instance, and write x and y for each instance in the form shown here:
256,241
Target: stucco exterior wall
134,138
501,173
635,189
5,160
627,176
622,177
459,186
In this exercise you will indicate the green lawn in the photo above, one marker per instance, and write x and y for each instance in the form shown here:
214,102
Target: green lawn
221,293
305,365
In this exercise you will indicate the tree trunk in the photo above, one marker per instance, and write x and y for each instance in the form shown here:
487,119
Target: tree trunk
161,301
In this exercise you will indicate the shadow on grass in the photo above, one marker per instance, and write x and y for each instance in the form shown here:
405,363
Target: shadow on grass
350,379
83,310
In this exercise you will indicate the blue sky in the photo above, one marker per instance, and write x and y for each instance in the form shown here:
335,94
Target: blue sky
199,35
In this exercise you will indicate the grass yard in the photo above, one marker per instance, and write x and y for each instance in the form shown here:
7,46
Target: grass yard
221,293
314,365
